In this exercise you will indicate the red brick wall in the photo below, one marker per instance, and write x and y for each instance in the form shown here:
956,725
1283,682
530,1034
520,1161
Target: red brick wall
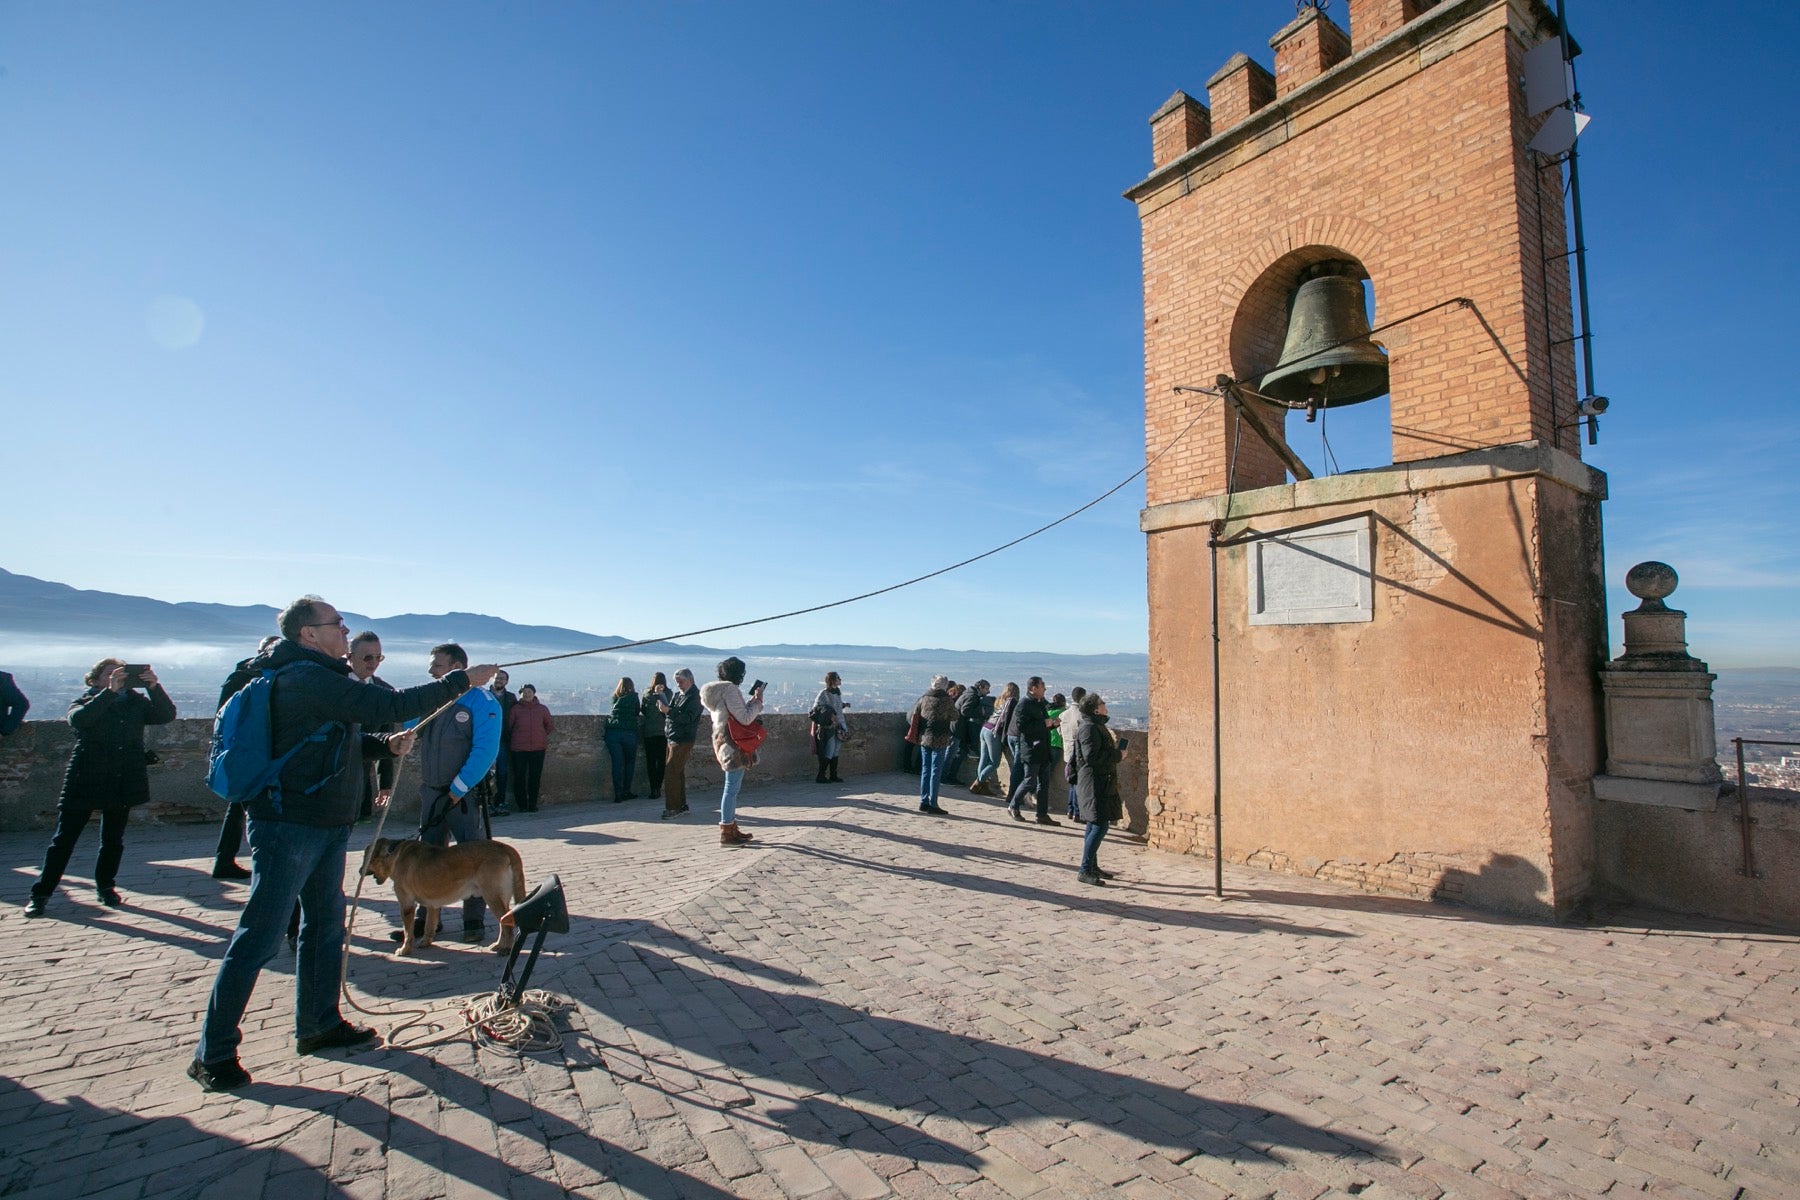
1418,172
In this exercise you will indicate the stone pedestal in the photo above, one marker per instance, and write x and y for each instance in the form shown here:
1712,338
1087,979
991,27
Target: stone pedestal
1660,744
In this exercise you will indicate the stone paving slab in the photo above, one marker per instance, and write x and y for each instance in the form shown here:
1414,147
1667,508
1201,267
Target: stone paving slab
870,1002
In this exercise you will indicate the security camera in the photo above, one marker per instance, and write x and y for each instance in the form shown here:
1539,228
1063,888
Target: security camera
1593,406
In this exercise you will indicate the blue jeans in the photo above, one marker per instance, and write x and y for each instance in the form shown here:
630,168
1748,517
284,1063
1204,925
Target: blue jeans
953,757
931,773
989,762
621,747
734,783
287,861
1090,847
1030,772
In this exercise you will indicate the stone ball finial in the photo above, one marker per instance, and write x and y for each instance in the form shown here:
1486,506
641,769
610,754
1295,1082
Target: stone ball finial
1651,582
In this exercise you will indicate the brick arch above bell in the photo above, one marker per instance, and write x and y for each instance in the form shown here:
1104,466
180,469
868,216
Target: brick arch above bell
1256,292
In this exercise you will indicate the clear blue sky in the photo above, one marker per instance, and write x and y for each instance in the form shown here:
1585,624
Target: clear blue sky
644,318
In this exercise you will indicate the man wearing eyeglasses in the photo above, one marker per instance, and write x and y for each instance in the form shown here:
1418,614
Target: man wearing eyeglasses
300,832
378,774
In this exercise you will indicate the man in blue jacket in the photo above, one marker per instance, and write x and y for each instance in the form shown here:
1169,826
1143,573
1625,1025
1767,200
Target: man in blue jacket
300,830
455,753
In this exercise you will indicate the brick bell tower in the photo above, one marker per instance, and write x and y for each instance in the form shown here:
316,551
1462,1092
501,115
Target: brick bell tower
1407,656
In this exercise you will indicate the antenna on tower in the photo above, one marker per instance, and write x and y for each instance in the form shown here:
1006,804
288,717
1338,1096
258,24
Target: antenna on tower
1550,87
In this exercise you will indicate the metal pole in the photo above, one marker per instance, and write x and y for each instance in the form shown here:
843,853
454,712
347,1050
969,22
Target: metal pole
1217,528
1581,282
1749,868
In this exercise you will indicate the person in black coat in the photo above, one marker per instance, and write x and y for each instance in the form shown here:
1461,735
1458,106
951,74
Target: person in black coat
13,705
1094,759
108,773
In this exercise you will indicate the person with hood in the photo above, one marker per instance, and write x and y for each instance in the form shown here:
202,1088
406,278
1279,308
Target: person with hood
108,773
1094,761
527,729
300,831
936,713
724,702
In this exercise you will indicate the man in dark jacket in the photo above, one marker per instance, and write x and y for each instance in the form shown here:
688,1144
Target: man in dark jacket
1030,731
231,830
300,829
378,773
971,711
497,779
13,705
680,724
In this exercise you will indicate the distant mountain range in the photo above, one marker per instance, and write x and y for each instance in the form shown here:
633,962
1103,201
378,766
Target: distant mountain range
40,609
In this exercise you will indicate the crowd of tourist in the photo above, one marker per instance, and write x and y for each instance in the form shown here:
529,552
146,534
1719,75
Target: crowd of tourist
476,740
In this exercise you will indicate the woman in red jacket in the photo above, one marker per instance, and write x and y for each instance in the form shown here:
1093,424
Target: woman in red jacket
528,730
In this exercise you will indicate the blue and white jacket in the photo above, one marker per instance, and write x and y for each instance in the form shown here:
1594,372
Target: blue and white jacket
457,750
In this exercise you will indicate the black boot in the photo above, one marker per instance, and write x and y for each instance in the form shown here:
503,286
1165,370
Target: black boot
834,774
820,777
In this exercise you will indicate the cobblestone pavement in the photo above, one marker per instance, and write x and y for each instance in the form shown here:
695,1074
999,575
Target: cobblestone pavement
872,1002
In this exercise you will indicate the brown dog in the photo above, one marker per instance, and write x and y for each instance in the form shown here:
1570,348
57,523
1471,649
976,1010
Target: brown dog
438,875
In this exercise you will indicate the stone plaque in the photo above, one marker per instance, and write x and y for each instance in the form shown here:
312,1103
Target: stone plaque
1318,576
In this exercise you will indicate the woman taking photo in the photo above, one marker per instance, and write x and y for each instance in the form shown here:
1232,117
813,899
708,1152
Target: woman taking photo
528,729
653,742
622,739
725,703
108,773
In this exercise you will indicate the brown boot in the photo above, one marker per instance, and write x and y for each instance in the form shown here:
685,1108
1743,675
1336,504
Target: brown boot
731,835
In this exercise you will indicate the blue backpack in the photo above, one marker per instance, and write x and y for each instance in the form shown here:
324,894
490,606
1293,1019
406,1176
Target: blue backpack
242,765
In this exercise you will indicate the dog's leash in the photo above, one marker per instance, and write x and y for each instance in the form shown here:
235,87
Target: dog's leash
525,1026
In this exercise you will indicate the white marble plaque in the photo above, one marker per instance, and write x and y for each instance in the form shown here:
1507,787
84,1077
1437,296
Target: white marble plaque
1315,577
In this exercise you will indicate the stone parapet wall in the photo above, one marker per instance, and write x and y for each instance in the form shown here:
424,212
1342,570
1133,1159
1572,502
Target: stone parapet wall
576,768
1691,862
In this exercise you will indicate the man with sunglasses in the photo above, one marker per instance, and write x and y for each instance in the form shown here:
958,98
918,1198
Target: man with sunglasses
300,832
378,774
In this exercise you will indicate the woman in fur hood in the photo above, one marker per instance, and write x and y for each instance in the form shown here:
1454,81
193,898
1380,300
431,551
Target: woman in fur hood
723,698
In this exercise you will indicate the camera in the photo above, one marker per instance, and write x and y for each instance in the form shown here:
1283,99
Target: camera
135,673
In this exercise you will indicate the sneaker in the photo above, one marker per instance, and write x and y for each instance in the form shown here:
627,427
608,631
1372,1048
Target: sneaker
1048,821
1091,879
1016,814
110,897
1105,874
932,811
225,868
223,1076
342,1034
473,934
35,906
673,814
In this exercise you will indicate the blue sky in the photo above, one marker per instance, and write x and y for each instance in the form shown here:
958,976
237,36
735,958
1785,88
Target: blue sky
646,318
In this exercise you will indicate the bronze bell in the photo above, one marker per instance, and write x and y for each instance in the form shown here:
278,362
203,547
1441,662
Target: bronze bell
1328,359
